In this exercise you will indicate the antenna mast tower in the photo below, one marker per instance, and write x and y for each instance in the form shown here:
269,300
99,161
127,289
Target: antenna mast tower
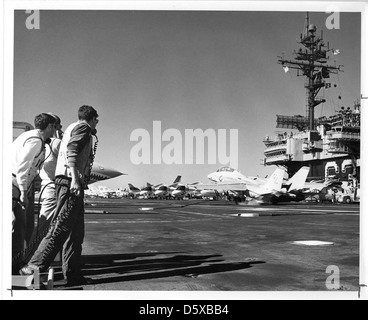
312,62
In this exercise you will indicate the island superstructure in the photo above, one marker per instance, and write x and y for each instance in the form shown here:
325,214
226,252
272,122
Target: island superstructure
330,146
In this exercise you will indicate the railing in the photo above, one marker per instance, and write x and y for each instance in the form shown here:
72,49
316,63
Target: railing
279,148
344,136
276,158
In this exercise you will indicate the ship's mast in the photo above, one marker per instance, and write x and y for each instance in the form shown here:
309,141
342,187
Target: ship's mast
312,62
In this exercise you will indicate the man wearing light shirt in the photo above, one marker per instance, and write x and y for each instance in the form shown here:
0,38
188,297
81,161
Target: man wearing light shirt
47,174
28,156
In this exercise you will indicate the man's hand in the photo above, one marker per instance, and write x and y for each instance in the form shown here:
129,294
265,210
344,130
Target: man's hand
75,187
24,199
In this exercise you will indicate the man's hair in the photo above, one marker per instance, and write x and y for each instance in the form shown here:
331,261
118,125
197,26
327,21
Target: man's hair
43,120
57,118
87,113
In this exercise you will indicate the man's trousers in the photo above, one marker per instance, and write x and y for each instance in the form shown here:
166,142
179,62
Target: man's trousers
66,233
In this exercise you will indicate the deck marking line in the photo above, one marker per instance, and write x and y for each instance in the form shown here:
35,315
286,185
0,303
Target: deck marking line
313,243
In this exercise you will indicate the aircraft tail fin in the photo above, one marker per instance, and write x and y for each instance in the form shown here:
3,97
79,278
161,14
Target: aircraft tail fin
274,183
297,181
131,187
177,180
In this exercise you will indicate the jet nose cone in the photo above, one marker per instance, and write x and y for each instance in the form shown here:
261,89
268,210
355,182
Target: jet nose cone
109,173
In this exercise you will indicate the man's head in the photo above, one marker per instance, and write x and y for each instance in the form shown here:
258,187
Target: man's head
88,114
45,123
58,126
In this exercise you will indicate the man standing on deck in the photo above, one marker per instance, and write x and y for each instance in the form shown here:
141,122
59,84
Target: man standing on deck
47,174
28,156
73,170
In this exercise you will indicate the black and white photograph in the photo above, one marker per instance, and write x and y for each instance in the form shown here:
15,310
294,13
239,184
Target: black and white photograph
184,150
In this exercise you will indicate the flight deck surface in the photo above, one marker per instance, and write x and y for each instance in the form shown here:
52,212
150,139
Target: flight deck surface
196,245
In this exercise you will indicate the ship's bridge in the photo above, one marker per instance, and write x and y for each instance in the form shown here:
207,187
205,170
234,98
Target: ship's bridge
344,139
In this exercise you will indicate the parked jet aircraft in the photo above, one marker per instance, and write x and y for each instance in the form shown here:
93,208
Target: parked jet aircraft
179,192
134,192
321,190
188,190
147,191
317,186
164,191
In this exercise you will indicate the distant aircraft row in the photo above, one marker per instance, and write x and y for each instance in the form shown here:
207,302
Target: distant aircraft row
230,183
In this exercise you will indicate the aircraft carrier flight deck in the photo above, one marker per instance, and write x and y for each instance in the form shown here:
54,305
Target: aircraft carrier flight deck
196,245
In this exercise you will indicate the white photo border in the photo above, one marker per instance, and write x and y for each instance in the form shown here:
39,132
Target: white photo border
7,117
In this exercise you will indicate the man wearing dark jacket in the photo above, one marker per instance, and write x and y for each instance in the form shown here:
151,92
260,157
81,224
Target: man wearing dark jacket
73,170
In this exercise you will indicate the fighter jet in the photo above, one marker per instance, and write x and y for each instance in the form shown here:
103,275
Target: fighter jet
234,182
179,192
256,187
317,185
186,190
164,191
133,191
321,189
99,172
147,191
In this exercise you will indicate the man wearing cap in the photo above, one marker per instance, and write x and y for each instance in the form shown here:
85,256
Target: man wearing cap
28,156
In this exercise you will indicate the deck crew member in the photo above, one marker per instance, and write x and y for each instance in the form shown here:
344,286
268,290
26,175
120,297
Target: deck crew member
28,155
47,174
73,170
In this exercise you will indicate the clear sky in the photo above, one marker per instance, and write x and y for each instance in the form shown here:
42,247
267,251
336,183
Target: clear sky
187,69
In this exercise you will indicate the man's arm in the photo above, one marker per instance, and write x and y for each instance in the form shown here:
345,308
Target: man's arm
31,148
79,138
75,186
